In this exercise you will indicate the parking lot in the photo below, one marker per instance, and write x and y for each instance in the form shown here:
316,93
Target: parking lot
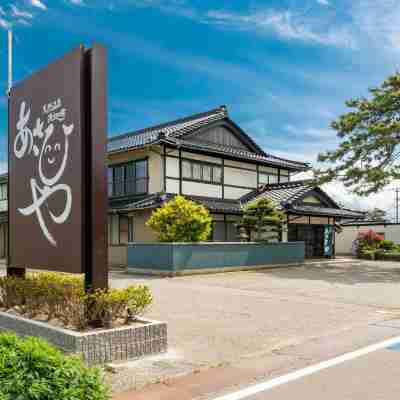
223,319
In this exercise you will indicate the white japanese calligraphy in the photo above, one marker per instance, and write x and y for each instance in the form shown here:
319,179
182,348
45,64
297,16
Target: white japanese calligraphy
52,158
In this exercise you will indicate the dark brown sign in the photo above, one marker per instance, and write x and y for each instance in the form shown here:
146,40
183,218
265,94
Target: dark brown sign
52,173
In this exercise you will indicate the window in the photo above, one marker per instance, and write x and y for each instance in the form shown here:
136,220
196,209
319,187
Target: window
267,178
130,178
202,172
3,191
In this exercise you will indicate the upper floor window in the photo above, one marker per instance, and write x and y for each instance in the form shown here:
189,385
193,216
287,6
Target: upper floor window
202,172
3,191
129,178
267,178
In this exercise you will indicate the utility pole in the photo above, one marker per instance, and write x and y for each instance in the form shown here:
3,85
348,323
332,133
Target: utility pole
10,61
397,205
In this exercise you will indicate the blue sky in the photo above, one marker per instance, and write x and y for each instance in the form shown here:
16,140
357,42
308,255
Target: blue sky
283,67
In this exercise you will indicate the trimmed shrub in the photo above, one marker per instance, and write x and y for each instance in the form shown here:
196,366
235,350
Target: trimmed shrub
62,297
262,218
181,220
31,369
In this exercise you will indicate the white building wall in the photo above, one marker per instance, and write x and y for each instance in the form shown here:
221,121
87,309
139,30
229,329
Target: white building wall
344,240
172,167
240,177
201,189
235,193
172,186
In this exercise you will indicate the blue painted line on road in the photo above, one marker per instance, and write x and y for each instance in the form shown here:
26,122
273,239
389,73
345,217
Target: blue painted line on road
395,347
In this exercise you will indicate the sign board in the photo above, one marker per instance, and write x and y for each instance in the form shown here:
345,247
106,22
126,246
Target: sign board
57,169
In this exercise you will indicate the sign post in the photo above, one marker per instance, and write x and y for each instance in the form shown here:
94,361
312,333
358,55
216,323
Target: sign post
57,168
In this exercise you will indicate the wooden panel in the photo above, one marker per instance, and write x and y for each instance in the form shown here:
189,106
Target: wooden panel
220,135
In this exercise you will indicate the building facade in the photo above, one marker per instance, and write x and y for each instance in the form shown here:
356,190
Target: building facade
208,158
351,229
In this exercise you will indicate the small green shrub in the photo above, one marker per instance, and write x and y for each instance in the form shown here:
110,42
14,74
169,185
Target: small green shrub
387,245
127,304
181,220
262,218
31,369
61,296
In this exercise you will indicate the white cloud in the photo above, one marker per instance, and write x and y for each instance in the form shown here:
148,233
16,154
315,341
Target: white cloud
324,2
16,12
379,21
286,25
76,2
4,23
38,4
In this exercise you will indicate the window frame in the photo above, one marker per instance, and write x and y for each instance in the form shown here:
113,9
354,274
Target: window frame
202,164
124,179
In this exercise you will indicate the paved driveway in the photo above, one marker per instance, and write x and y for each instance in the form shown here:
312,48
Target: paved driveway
226,318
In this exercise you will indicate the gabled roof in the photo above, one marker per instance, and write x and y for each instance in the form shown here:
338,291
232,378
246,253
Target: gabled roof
289,196
170,129
287,192
181,133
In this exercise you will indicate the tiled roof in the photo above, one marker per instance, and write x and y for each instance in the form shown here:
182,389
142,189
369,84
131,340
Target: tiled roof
157,199
280,193
285,195
175,133
171,129
238,153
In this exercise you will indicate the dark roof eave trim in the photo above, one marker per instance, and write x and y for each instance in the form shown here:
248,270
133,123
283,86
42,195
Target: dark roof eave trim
236,157
323,214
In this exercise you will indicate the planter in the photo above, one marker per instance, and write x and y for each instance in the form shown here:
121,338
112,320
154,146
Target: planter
182,258
98,346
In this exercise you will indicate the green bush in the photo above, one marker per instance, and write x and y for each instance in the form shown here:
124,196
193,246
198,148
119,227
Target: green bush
387,245
262,218
181,220
62,296
31,369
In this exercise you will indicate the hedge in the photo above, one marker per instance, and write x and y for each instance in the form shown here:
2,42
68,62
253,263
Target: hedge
62,297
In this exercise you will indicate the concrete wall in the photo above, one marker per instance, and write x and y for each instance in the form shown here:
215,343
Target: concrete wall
179,257
142,233
117,256
344,240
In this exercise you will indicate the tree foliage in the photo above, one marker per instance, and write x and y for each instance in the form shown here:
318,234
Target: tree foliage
262,218
367,159
376,214
181,220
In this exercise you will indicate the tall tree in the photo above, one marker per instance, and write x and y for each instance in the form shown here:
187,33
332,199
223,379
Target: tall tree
367,159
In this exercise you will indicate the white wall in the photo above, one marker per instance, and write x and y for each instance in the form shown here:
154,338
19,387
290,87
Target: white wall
235,193
201,189
240,177
344,240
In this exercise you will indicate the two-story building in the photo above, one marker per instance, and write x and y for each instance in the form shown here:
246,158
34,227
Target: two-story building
206,157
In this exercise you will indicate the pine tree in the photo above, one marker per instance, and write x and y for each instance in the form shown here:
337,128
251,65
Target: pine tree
367,159
263,219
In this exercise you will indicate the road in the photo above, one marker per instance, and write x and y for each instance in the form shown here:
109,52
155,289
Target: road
367,373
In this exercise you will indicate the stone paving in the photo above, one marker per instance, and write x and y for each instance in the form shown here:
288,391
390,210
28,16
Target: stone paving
227,319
